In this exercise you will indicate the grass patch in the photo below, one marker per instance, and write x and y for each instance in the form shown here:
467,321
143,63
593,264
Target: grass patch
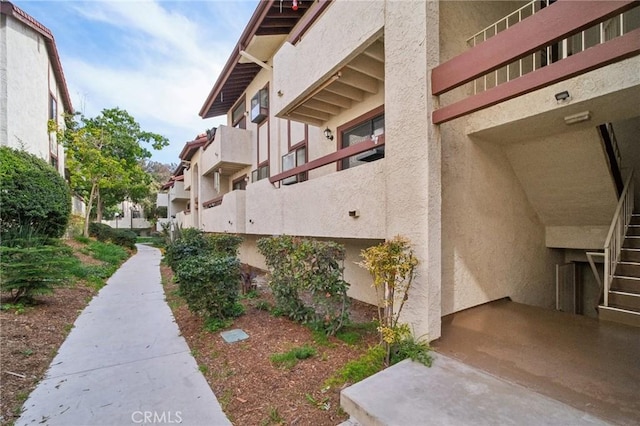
288,360
107,252
359,369
354,333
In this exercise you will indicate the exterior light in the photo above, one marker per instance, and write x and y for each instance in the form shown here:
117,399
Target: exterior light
562,96
328,134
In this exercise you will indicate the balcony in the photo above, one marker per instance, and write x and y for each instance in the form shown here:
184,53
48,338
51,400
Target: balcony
178,192
338,62
229,152
345,204
533,48
226,214
184,219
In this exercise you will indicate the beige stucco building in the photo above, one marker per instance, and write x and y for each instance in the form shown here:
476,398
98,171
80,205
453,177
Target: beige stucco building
33,89
496,136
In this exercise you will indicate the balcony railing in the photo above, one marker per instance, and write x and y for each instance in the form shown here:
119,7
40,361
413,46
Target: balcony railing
600,33
213,202
334,157
497,65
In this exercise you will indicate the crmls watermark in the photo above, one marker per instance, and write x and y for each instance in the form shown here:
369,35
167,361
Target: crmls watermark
155,417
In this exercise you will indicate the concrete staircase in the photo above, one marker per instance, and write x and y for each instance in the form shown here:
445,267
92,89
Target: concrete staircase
624,295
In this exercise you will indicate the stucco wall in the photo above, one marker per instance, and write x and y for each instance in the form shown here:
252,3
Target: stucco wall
412,162
345,27
227,217
27,81
320,207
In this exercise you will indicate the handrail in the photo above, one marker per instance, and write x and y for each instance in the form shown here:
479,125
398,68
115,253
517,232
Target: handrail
615,237
338,155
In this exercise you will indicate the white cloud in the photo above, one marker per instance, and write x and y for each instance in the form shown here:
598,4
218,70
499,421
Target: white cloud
160,66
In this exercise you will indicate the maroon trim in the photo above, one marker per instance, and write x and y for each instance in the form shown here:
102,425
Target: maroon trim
9,9
213,202
190,148
353,123
551,24
307,21
616,50
331,158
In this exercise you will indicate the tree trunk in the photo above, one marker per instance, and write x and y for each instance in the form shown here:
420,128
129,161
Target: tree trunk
98,207
87,216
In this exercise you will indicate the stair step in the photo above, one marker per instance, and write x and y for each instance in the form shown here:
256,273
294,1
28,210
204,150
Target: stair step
628,269
631,242
630,255
625,300
633,230
626,284
621,316
635,219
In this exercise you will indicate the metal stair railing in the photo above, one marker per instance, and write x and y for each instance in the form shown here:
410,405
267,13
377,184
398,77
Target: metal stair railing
617,232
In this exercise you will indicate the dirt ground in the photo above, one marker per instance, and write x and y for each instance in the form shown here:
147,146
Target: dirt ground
251,390
30,338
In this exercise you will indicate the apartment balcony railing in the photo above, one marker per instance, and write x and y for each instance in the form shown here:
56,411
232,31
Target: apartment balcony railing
535,47
177,191
342,204
225,213
229,152
334,157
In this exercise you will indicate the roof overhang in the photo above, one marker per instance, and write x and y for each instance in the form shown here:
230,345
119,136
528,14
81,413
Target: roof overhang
9,9
268,27
190,148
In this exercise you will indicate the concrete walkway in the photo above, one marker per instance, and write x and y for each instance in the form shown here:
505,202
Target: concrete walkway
125,362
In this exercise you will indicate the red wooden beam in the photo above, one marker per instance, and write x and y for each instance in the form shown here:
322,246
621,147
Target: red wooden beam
616,50
549,25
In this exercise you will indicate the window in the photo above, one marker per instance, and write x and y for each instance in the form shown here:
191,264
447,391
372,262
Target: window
360,132
53,108
262,172
238,119
239,184
293,159
260,106
54,162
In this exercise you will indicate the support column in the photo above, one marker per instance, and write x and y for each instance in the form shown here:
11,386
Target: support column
412,161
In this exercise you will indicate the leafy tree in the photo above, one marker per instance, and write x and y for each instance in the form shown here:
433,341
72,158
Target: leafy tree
105,156
34,198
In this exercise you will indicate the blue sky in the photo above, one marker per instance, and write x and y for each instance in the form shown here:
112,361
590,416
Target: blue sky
156,59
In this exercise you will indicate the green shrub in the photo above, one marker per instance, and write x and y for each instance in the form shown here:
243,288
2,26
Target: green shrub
210,285
31,271
310,268
100,231
33,195
224,244
124,238
191,243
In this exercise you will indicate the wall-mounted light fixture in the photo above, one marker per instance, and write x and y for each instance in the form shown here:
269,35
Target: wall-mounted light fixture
328,134
577,118
562,96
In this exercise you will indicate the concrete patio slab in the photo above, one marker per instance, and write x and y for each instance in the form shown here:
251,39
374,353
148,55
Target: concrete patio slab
452,393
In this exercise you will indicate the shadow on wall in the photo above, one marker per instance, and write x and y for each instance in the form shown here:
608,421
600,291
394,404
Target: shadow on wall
493,243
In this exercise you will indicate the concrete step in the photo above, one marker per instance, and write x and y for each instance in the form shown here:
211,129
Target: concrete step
633,230
350,422
630,255
635,219
631,242
628,269
626,284
621,316
621,299
451,393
